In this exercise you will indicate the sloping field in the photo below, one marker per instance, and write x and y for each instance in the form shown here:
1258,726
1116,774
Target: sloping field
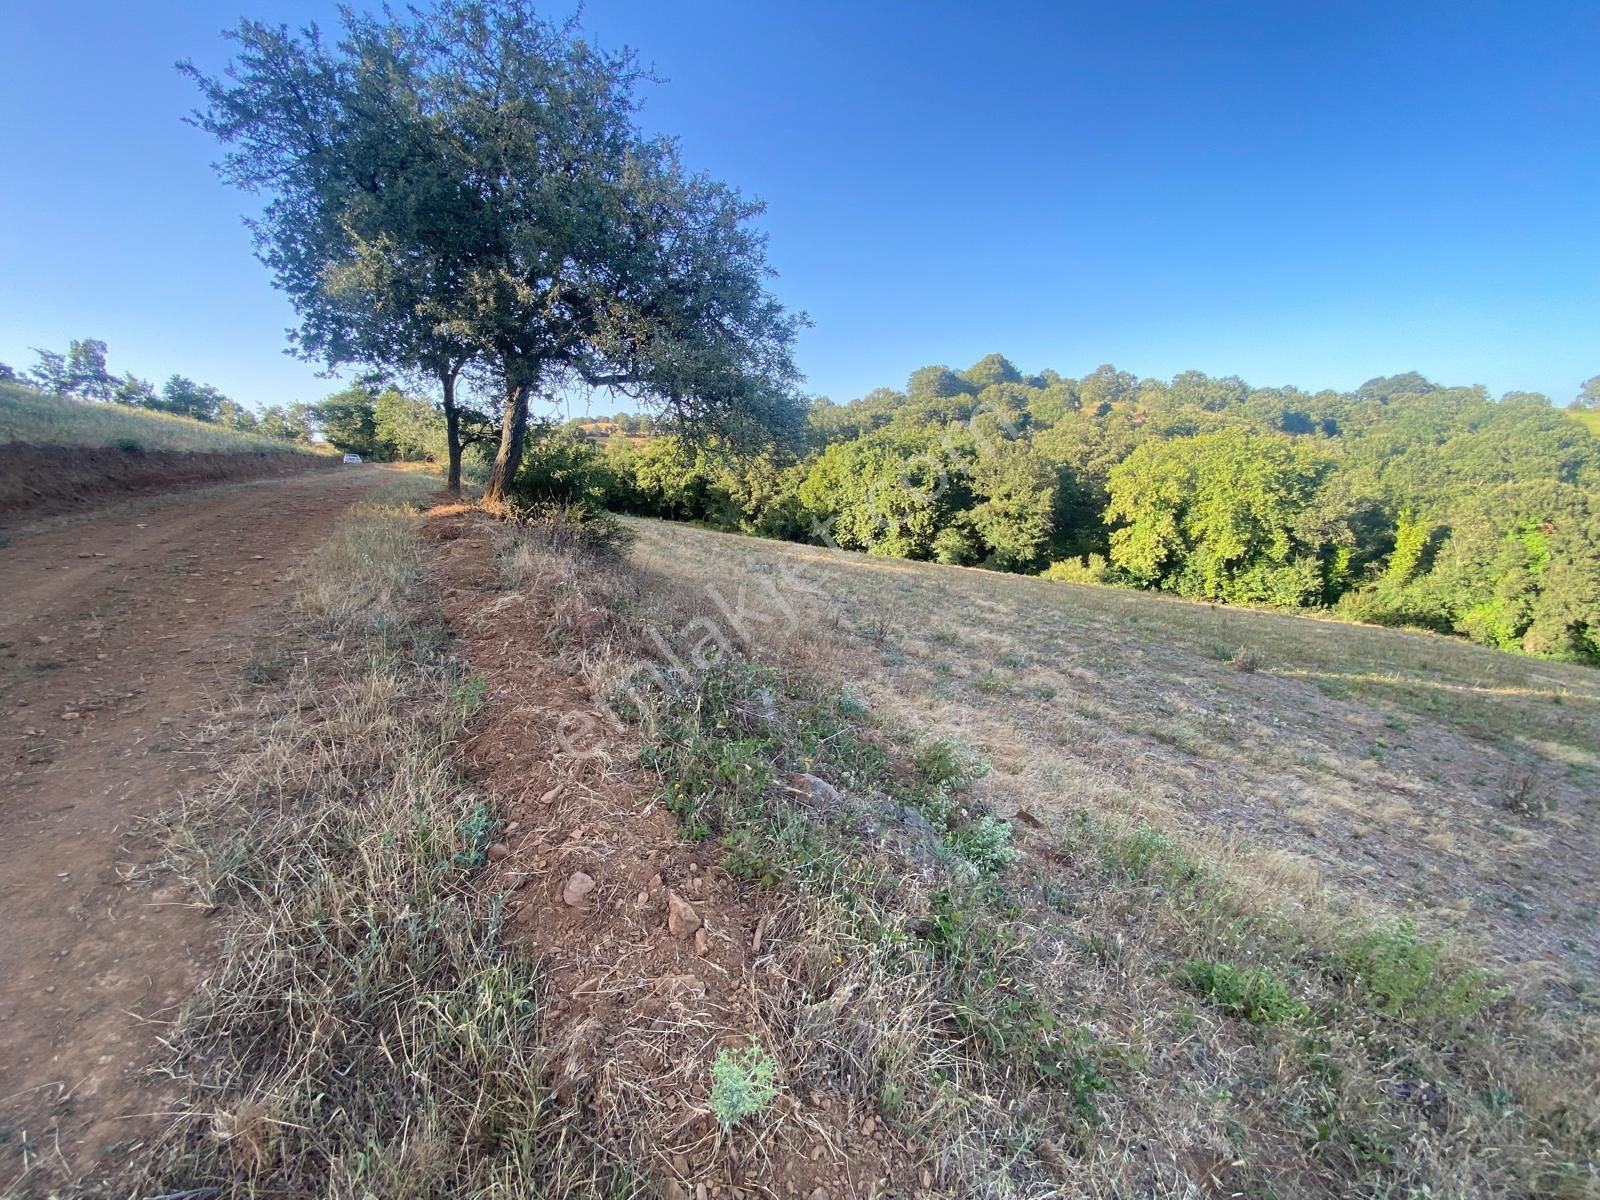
29,415
1342,766
63,455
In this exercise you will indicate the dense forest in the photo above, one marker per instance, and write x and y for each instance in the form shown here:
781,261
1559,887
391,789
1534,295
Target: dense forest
1403,502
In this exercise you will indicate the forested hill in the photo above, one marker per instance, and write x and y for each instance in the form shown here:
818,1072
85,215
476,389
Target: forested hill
1402,502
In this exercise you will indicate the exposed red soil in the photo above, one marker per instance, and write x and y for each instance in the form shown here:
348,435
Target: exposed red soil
116,635
41,481
638,1009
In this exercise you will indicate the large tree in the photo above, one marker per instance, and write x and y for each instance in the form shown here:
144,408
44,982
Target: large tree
472,178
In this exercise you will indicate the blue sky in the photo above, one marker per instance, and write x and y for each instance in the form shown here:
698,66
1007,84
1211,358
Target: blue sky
1294,193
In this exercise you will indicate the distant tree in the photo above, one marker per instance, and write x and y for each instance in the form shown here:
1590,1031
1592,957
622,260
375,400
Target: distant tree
8,373
184,397
1015,489
348,421
938,383
990,370
1104,387
1221,516
233,415
291,424
87,376
408,428
49,374
135,393
1588,397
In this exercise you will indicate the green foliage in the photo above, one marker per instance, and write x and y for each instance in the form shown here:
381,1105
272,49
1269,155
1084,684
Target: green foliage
348,421
1220,516
1403,975
743,1084
1257,995
985,842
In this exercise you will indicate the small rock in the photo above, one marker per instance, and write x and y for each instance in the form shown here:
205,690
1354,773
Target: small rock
682,920
578,887
671,1189
553,794
926,1177
499,851
869,1126
680,1164
702,943
44,639
643,899
513,826
69,715
820,1193
516,879
700,1192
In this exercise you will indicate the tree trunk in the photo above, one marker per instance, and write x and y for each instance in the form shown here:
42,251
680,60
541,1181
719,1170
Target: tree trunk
452,430
513,432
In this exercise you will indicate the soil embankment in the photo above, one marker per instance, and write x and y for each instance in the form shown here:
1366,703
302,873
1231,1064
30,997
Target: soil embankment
43,481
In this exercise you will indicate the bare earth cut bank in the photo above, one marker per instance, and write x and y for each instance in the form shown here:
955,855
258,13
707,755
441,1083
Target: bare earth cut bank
41,481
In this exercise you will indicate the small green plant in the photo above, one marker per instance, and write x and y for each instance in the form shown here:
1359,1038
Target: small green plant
469,693
1402,974
1256,995
475,832
742,1084
985,843
128,445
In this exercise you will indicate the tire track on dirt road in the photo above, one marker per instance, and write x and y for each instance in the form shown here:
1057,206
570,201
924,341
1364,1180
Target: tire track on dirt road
117,633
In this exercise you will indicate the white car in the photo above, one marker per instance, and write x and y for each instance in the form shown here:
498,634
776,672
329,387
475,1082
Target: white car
352,458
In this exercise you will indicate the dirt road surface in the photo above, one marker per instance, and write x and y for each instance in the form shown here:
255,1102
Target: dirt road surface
116,634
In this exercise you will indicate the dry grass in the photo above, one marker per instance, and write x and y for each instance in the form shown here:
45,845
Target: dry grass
29,415
366,1032
1236,888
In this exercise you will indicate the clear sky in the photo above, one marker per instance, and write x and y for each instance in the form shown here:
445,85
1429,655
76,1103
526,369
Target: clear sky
1292,192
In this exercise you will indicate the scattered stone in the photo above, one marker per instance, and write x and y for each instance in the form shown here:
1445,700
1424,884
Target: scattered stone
680,1164
70,715
816,794
513,826
553,794
869,1126
702,943
820,1193
516,879
682,920
643,899
499,851
44,639
578,887
926,1177
671,1189
700,1192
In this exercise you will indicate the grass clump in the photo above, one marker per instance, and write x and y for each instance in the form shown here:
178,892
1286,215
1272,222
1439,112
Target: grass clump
1404,976
742,1084
1256,994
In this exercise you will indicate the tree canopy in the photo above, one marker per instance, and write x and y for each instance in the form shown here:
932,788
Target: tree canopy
468,183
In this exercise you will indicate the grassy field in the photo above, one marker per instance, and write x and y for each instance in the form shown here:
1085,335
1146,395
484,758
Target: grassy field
1589,420
1017,888
1315,902
28,415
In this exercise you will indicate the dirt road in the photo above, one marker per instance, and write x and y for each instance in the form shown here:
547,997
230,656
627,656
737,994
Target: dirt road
116,634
